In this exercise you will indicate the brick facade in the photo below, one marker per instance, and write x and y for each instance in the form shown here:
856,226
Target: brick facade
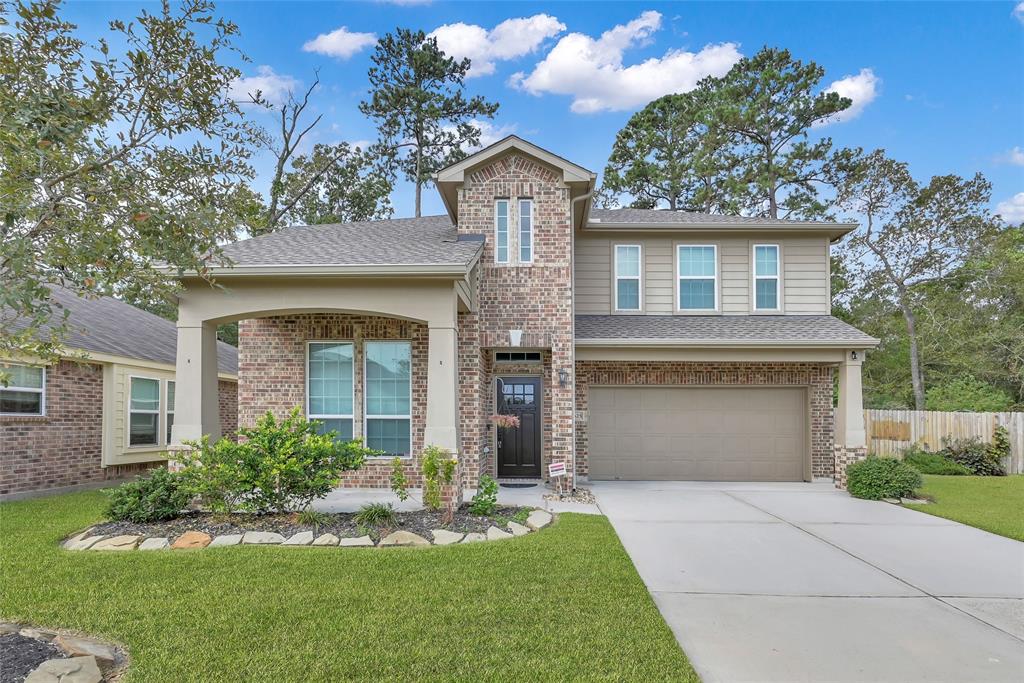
227,403
816,377
64,447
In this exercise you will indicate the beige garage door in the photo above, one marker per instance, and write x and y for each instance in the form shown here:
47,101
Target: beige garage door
705,434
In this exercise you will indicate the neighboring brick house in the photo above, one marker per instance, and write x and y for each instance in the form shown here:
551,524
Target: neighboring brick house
632,344
105,410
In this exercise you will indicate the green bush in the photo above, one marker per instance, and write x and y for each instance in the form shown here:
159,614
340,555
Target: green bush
1000,446
159,496
968,394
485,501
875,478
973,454
932,463
438,468
276,466
399,482
376,516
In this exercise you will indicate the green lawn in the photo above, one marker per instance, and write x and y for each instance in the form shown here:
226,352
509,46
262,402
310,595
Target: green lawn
558,605
995,504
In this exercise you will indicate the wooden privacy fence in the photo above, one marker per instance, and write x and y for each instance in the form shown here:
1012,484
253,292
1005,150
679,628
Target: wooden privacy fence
889,432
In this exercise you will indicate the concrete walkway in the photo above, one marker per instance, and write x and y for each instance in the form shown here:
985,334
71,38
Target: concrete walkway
800,582
351,499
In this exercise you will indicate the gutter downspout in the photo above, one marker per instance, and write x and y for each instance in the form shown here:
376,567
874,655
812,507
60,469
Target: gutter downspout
572,292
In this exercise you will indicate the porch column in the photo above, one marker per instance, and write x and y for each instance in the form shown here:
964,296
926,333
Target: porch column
442,387
851,438
196,409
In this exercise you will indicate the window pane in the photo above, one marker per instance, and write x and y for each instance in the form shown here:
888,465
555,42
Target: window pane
766,260
501,213
24,376
21,402
330,378
767,293
143,429
390,436
388,378
341,425
525,231
170,423
170,396
145,394
697,294
627,297
697,261
627,261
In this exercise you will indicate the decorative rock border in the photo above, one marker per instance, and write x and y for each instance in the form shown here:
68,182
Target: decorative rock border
87,660
87,540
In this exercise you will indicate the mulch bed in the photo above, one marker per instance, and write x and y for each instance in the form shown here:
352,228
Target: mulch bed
340,524
19,656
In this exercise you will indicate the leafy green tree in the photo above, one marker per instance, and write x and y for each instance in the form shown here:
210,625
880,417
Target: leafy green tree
337,184
117,156
968,393
417,101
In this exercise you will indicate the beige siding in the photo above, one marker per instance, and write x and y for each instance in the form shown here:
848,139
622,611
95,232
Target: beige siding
805,271
120,453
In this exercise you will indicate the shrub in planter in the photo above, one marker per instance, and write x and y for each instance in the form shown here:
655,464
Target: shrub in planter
975,455
160,495
875,478
932,463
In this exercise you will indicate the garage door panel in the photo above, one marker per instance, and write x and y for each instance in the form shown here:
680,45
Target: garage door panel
701,433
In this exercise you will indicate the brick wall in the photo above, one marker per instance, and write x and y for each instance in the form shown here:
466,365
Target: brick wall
817,377
64,447
272,373
227,401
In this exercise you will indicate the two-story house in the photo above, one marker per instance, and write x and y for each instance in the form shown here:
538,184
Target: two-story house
632,344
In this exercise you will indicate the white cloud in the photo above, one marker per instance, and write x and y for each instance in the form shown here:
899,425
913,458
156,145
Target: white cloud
274,87
1014,157
510,39
1012,210
340,43
1018,12
862,88
592,72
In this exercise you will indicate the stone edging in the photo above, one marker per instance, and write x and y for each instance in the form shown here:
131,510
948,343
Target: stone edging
87,659
86,540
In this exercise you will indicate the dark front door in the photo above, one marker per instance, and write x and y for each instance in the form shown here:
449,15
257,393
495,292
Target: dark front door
519,447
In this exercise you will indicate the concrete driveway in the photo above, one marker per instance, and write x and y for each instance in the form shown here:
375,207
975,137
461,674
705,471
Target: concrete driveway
800,582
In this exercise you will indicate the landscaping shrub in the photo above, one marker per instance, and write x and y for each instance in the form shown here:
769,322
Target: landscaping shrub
376,516
159,496
276,466
399,482
875,478
975,455
1000,446
932,463
438,469
485,501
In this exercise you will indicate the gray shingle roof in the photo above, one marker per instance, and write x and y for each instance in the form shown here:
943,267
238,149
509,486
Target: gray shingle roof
665,217
106,325
430,240
725,329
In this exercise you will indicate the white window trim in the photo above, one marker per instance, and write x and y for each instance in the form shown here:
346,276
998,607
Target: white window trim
160,426
366,415
33,390
508,231
777,277
680,277
638,277
519,230
167,407
312,416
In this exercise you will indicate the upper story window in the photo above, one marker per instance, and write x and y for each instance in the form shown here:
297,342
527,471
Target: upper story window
697,272
389,396
501,248
766,277
330,389
627,277
25,392
144,412
525,230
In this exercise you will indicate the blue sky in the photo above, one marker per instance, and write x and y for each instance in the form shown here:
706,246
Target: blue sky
939,85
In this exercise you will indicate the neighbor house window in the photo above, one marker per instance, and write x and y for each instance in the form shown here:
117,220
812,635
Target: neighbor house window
144,412
525,230
330,397
766,277
24,393
627,277
698,277
169,412
388,378
501,230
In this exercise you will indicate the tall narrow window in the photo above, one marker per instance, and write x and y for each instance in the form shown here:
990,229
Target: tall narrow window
24,393
144,412
525,230
766,277
501,231
627,277
330,389
388,380
698,277
170,409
